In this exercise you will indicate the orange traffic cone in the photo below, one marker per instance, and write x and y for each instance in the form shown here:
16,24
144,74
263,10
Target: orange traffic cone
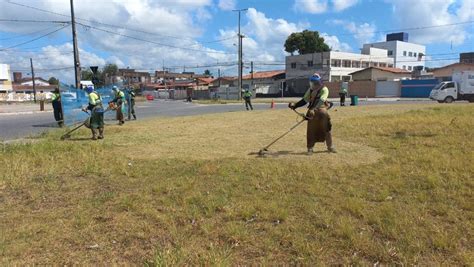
273,104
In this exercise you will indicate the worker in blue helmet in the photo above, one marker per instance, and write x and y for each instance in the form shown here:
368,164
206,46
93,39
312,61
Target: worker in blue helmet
319,122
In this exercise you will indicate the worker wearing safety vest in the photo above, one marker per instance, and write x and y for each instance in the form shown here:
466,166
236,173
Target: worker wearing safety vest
119,100
343,93
97,113
319,122
57,108
248,98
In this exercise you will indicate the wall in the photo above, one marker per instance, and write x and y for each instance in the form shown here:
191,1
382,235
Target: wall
417,88
448,71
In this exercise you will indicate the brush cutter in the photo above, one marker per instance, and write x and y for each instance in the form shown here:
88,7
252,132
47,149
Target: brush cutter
87,122
264,150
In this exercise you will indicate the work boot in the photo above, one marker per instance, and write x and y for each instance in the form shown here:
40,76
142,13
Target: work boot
101,133
134,117
94,134
310,152
329,145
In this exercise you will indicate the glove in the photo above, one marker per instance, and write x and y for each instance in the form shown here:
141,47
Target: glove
310,114
84,109
291,106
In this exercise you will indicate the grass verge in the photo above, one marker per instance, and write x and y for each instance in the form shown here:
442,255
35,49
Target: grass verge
190,190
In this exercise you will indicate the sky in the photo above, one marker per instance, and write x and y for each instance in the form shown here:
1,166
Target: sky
194,35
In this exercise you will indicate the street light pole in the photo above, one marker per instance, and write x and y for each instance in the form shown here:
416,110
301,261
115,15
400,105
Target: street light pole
240,56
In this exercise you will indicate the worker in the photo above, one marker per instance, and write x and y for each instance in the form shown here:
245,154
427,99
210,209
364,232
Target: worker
119,100
97,113
41,98
343,93
248,98
57,108
132,103
319,122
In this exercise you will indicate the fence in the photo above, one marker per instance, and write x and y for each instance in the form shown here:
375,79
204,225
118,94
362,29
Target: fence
417,88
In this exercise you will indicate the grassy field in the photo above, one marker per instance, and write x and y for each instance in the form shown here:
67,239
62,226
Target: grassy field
190,190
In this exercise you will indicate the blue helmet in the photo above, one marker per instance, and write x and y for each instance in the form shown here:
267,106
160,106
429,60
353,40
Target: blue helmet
89,89
315,78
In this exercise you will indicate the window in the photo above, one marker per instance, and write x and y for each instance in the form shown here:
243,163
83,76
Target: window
450,85
346,63
390,53
365,64
293,65
409,67
404,53
414,54
355,64
382,65
410,54
310,63
404,67
335,63
390,65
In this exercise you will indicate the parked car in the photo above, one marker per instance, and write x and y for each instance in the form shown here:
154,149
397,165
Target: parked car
460,88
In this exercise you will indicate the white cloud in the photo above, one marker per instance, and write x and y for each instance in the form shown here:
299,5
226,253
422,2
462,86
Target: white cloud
311,6
334,43
322,6
227,4
362,33
412,14
340,5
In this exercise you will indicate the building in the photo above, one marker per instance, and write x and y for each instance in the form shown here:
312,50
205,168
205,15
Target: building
333,66
263,83
380,74
466,57
406,55
5,82
130,77
25,85
445,73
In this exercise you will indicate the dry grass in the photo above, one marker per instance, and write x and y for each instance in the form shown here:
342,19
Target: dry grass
186,191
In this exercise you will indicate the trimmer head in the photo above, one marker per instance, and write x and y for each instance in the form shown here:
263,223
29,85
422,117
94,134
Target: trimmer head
263,152
66,136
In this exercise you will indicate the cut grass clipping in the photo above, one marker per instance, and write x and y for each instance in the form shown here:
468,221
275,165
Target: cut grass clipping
190,190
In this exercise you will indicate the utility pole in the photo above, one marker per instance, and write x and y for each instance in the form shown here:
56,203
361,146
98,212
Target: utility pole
251,75
77,63
240,56
219,76
33,79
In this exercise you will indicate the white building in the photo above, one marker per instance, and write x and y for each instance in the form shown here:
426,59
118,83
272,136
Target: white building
5,81
406,55
335,66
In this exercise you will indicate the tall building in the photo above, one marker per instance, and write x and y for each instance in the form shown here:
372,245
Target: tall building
5,82
466,57
407,56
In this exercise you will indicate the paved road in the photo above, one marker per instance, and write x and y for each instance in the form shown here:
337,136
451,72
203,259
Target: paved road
24,125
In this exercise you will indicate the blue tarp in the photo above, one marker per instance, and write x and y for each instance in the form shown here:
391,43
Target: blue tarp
73,100
417,88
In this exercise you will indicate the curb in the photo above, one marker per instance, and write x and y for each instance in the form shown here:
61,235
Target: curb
24,113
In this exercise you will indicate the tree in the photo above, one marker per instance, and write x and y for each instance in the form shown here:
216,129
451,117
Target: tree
305,42
53,81
207,73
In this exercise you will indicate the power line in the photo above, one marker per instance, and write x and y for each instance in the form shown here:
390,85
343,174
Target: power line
28,34
110,25
35,21
35,39
153,42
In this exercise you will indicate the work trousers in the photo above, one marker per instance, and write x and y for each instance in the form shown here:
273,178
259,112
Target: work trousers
248,103
343,98
319,129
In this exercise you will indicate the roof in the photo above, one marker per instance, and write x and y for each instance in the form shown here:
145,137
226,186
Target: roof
264,74
27,79
455,65
386,69
19,87
206,80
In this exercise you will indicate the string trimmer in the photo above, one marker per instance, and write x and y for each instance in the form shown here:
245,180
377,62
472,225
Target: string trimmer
264,150
87,122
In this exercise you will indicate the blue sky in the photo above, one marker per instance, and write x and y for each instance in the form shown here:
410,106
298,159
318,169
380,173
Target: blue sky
206,29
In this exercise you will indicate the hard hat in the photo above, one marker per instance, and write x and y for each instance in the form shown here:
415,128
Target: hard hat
115,88
89,89
315,77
